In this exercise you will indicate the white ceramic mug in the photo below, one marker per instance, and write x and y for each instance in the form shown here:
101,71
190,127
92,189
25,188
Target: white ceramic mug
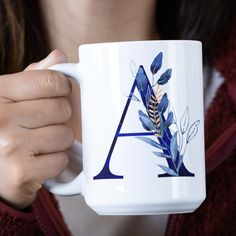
142,127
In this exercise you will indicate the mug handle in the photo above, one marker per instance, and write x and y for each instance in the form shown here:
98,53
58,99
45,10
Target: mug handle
75,186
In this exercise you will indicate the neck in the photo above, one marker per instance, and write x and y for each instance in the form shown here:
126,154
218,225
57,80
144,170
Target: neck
75,22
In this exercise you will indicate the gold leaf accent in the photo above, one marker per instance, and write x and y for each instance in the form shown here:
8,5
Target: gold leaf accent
154,98
153,101
158,93
158,97
157,134
153,120
152,106
158,90
152,109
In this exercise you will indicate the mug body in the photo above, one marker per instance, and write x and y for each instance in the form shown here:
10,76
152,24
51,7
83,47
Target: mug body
142,127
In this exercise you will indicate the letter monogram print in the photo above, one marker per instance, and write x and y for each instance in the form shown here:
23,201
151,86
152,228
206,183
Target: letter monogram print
156,118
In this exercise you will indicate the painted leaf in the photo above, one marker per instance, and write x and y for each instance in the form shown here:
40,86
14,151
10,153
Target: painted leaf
151,142
156,64
184,122
169,120
133,68
162,126
161,154
174,115
142,80
146,122
180,162
174,146
165,77
168,170
143,84
148,96
132,97
192,131
163,104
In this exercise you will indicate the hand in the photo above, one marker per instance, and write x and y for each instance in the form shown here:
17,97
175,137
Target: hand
34,107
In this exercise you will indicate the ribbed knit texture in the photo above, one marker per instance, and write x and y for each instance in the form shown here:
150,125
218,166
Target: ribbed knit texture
217,214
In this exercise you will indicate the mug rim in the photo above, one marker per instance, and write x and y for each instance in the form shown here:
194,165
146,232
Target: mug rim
165,41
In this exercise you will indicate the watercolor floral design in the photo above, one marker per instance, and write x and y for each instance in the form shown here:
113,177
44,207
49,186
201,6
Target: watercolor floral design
169,137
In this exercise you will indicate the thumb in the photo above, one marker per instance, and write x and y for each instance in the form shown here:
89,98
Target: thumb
55,57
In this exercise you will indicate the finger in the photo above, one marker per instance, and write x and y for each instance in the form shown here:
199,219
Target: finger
35,84
55,57
50,165
50,139
42,112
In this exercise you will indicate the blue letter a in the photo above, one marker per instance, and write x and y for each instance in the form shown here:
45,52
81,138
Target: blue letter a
106,173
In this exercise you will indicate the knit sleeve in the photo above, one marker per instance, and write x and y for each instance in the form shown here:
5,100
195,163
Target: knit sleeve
20,223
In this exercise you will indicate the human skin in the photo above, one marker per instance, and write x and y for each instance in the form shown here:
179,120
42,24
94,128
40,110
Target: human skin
34,107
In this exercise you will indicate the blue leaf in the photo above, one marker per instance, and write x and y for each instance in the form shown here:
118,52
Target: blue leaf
148,96
163,104
174,146
143,84
142,80
156,64
169,119
146,122
161,154
180,162
168,170
192,131
162,125
165,77
151,142
184,122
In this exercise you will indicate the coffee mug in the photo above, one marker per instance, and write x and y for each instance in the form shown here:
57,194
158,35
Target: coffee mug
142,127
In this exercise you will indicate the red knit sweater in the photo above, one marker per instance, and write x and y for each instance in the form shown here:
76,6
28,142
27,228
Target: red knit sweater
216,216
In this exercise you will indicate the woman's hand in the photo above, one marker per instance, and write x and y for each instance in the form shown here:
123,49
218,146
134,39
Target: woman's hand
34,107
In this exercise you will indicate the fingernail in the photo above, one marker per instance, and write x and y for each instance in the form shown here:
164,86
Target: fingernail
55,57
58,55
